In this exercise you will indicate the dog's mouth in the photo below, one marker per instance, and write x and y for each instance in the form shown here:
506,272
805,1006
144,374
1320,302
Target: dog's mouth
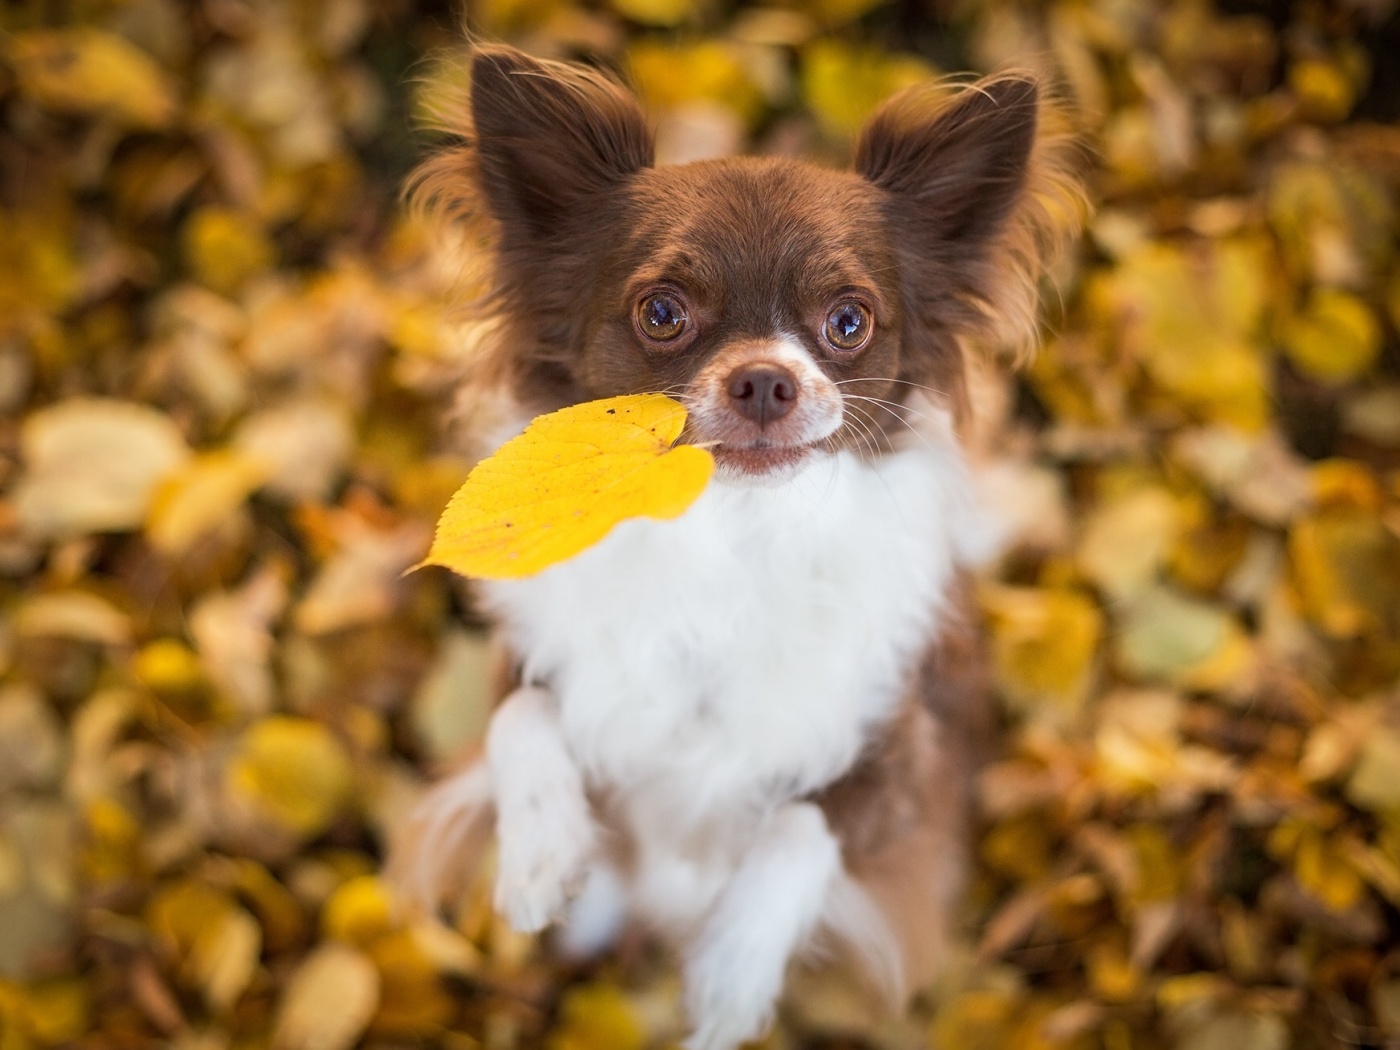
758,458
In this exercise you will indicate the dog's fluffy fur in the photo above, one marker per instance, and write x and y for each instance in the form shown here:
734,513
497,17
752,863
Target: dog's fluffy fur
753,726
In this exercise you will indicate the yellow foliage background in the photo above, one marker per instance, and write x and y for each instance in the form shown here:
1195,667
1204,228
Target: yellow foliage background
225,359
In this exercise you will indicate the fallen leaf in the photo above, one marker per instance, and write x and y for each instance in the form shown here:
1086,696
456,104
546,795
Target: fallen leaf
655,12
226,248
216,941
412,997
1237,1031
200,496
232,633
1375,782
90,71
76,615
1125,541
1168,636
597,1017
362,581
93,465
562,485
306,443
453,703
1335,338
32,742
328,1001
359,911
294,771
1043,646
671,75
844,84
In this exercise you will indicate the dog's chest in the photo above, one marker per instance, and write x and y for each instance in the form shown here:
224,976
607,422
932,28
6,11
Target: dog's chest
740,654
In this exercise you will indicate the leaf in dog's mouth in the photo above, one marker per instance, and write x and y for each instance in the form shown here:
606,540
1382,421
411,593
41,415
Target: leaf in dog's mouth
561,486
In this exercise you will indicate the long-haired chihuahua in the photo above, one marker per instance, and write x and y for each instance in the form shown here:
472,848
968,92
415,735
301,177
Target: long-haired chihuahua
750,730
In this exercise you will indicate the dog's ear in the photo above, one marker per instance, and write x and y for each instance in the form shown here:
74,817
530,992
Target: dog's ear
956,170
549,137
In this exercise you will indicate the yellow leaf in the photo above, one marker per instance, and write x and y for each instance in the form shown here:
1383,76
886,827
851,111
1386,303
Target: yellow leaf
563,484
360,910
1333,222
670,75
225,248
294,771
1335,338
111,848
1345,563
412,997
328,1002
1345,483
597,1017
655,12
215,940
167,665
1112,977
225,957
90,71
58,1011
38,269
178,913
1126,540
1325,873
842,85
279,911
200,496
976,1020
1375,782
1323,88
1043,644
1190,317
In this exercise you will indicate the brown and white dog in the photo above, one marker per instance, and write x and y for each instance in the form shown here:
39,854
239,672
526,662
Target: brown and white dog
751,728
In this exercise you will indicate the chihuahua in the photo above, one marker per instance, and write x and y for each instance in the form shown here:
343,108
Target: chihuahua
750,730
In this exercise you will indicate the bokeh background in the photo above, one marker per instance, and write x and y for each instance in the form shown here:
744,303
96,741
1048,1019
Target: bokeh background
225,355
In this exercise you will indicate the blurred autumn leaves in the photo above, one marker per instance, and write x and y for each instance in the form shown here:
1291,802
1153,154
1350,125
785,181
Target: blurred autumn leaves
225,358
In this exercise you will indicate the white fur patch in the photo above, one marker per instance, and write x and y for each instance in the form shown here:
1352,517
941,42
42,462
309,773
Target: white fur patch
543,822
709,669
735,968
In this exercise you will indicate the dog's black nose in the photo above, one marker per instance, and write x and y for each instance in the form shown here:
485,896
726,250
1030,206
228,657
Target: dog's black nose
763,393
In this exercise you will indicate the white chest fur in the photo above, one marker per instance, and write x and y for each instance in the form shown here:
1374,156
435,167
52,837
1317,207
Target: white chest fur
712,667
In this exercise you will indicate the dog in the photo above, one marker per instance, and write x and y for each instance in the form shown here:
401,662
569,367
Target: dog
751,730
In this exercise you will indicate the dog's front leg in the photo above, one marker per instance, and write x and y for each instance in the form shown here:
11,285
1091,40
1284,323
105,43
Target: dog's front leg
543,822
734,971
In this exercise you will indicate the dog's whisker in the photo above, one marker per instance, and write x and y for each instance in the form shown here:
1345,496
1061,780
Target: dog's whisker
898,418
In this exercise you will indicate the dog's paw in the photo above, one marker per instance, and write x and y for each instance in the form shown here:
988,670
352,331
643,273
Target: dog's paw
732,984
546,844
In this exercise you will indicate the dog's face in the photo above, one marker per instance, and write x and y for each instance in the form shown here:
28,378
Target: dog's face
792,308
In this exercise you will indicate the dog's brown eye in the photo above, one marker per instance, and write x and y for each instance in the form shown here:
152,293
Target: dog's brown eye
848,326
661,317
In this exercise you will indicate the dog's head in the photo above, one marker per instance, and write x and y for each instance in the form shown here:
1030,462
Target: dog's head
792,308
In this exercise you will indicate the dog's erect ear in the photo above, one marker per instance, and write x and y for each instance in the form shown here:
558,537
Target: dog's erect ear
549,137
956,170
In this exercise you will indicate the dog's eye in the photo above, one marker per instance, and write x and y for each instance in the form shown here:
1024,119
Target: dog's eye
848,326
661,317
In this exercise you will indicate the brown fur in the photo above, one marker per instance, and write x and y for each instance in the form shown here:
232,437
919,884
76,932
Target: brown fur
903,815
955,206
